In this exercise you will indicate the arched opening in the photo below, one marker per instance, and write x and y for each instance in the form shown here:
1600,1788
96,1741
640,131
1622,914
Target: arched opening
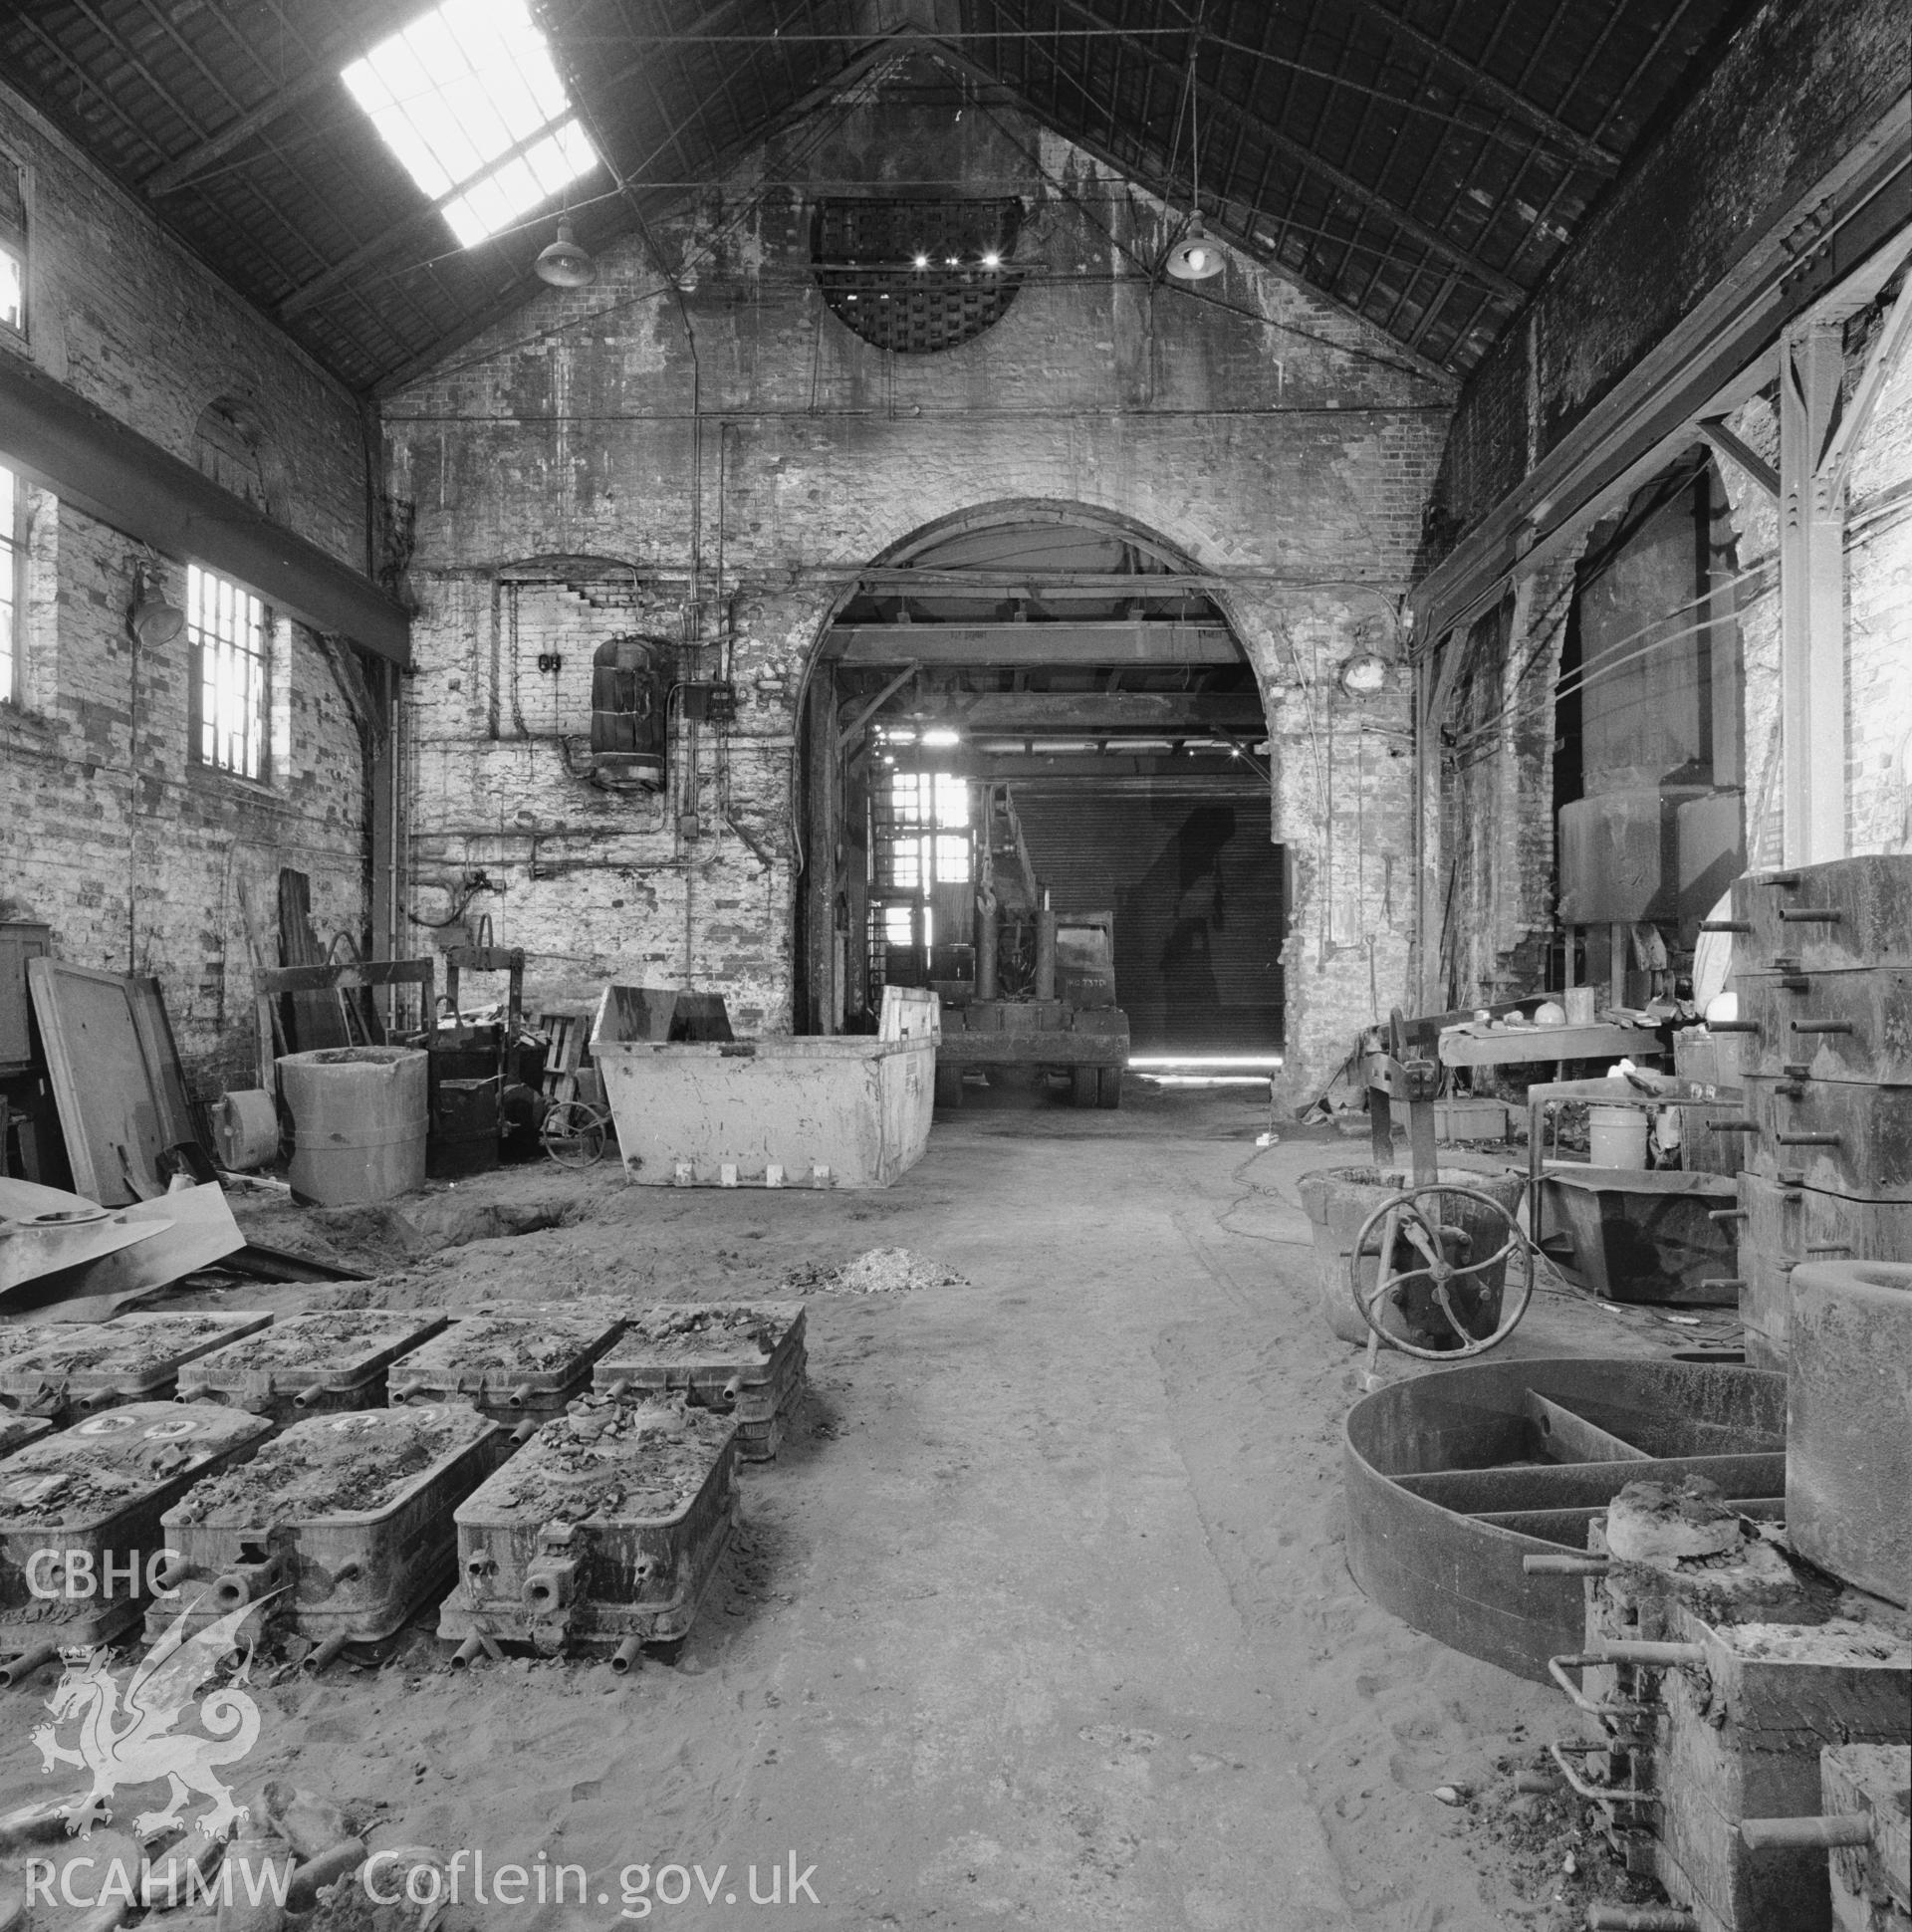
1039,704
230,445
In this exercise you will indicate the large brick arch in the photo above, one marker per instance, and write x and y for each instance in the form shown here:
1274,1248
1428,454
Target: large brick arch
899,543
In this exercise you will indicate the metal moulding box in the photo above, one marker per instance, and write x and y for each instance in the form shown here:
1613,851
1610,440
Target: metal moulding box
132,1359
309,1365
745,1361
1640,1233
1736,1731
1844,1137
606,1528
1853,1025
91,1498
512,1368
1869,900
781,1111
343,1527
1785,1225
1849,1387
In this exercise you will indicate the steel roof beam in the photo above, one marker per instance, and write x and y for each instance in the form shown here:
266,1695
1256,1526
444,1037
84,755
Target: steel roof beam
103,467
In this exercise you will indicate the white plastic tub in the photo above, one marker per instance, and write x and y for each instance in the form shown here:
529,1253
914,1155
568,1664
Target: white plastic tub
846,1111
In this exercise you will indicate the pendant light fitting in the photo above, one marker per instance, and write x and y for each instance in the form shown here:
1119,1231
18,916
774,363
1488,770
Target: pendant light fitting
562,263
1194,258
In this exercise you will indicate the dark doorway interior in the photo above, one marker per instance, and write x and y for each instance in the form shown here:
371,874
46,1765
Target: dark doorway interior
1056,706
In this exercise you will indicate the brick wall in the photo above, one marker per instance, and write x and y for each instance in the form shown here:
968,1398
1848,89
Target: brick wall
1674,224
1256,430
1668,230
110,830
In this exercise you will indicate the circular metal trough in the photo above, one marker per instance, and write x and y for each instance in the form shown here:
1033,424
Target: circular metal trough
1450,1478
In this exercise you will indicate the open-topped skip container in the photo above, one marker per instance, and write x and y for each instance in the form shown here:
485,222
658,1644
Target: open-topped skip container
311,1365
743,1360
132,1359
82,1544
599,1535
339,1530
514,1369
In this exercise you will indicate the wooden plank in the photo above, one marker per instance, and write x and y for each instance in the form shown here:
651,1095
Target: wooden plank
1547,1043
314,1019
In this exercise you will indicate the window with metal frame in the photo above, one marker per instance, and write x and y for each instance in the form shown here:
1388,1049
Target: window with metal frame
226,627
12,580
469,99
13,250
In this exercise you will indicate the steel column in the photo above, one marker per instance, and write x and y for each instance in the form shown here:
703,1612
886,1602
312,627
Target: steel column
1811,596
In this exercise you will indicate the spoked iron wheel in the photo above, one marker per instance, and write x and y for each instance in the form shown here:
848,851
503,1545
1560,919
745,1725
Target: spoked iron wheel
1449,1289
575,1133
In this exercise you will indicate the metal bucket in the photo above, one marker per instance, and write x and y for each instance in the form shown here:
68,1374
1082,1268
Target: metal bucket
359,1120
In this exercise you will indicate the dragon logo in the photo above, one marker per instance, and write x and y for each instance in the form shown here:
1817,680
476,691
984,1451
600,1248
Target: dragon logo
127,1739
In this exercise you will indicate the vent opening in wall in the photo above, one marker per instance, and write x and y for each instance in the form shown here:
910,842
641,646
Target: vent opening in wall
919,275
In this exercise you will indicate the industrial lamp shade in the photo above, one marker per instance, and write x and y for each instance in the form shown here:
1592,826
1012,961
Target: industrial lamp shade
562,263
152,619
1194,258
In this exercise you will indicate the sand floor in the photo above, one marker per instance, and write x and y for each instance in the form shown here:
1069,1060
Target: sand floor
1041,1618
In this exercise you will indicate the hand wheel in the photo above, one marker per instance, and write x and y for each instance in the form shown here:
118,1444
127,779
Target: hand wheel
574,1133
1403,1216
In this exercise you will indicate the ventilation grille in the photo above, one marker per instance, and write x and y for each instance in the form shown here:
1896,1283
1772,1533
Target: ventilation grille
913,274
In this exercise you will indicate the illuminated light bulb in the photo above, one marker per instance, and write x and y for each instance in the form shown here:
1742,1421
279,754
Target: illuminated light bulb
922,261
992,260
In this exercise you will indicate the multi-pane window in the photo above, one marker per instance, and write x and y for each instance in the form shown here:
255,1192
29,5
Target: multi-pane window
11,578
226,628
468,98
13,250
926,839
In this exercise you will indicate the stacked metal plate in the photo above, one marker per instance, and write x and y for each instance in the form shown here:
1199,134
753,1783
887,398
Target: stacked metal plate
1822,967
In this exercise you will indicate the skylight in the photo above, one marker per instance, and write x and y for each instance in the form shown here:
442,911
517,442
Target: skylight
468,98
